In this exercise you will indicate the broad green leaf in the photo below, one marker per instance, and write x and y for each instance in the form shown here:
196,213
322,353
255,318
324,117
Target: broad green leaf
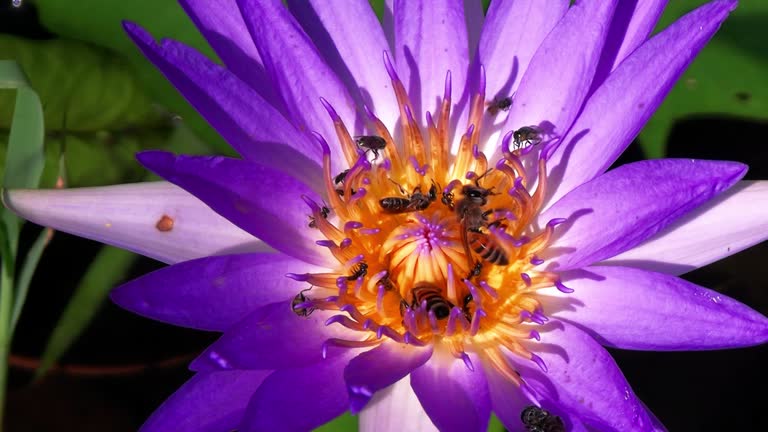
107,269
728,76
99,22
343,423
82,87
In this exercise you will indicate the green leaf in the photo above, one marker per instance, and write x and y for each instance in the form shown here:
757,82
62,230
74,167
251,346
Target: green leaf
728,76
99,22
343,423
25,275
107,269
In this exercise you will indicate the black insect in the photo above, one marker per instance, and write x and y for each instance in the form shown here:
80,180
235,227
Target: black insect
473,217
372,143
465,307
417,201
297,304
525,136
324,212
497,105
475,271
358,271
536,419
433,297
340,177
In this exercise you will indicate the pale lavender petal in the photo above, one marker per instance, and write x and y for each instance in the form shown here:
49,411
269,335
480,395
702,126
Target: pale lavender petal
454,397
158,220
274,337
507,399
729,223
263,201
636,309
513,32
352,42
430,39
299,72
222,25
209,402
632,22
395,409
380,367
299,399
608,122
212,293
249,123
583,379
625,206
548,96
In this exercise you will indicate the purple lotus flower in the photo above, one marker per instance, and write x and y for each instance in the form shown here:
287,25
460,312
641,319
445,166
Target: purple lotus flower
466,251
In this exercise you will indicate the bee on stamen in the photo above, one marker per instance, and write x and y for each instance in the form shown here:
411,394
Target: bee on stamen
298,301
502,104
417,201
371,143
358,271
473,218
465,307
324,212
433,298
537,419
526,136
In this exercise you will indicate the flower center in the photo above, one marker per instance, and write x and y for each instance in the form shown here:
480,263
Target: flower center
434,249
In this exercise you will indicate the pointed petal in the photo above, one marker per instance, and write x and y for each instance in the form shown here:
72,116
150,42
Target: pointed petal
298,71
380,367
245,194
135,217
299,399
547,96
223,27
249,123
627,205
632,22
454,397
636,309
608,123
430,39
701,237
583,379
506,48
474,16
273,337
395,409
354,51
209,402
212,293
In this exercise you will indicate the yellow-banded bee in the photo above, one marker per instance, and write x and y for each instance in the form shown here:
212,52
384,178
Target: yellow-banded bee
484,245
299,300
432,296
372,143
473,218
526,135
536,419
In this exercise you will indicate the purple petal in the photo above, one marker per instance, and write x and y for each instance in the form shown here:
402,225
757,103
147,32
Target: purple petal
454,397
475,21
211,293
353,51
629,204
128,216
430,39
506,48
248,122
273,337
298,71
636,309
583,379
395,409
222,25
380,367
608,122
701,236
507,399
631,25
299,399
209,402
560,73
263,201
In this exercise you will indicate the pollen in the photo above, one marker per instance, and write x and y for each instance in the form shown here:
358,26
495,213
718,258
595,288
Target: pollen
433,248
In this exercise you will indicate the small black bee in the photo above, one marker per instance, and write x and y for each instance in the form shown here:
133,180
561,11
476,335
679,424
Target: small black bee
300,299
536,419
526,135
465,306
340,177
475,271
497,105
358,271
418,201
372,143
324,212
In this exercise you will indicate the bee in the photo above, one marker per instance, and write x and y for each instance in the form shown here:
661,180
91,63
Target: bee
418,201
372,143
484,245
434,299
475,270
497,105
339,180
300,299
465,306
358,271
536,419
525,136
447,199
473,218
324,212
